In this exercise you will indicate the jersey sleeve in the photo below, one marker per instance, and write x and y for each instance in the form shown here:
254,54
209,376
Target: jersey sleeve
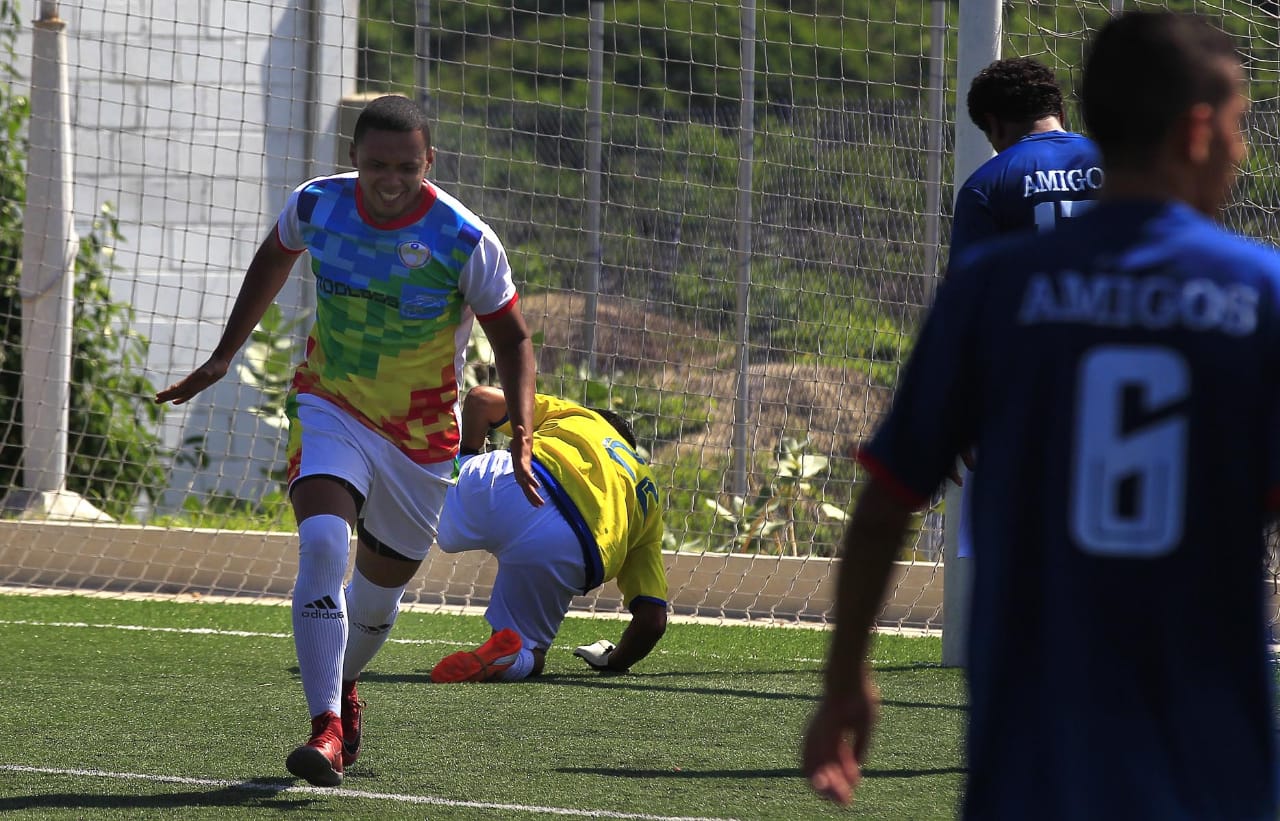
485,281
934,412
288,224
973,222
643,575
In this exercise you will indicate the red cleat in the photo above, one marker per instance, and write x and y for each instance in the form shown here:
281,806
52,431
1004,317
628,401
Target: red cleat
486,663
319,761
351,707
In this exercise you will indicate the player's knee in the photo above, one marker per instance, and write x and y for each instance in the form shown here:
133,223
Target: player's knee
324,539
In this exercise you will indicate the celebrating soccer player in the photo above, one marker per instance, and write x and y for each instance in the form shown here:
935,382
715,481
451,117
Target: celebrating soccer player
401,269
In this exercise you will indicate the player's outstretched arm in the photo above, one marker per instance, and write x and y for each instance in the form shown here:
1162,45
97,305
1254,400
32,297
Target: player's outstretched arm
266,275
513,355
839,735
648,623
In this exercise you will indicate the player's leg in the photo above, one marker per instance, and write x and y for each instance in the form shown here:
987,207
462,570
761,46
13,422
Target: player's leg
373,596
328,477
397,526
540,570
538,577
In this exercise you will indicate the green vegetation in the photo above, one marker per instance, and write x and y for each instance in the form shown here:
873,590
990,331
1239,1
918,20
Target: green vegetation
115,455
708,726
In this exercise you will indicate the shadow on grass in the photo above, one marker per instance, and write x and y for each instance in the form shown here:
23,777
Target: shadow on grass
262,793
779,772
646,683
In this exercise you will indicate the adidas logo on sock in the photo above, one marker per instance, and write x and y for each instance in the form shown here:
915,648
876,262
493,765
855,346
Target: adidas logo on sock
371,629
321,608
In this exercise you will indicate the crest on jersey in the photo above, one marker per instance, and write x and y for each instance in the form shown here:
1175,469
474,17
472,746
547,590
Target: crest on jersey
414,254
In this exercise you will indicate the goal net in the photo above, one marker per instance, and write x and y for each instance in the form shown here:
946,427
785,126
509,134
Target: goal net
737,261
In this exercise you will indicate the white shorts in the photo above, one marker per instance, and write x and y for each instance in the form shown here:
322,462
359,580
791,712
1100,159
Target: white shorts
402,499
540,562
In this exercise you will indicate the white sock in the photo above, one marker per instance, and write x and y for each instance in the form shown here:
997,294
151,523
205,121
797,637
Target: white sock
371,610
521,667
319,609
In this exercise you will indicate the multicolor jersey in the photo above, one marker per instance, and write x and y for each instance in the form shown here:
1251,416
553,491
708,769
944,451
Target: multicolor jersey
394,307
607,494
1120,379
1034,184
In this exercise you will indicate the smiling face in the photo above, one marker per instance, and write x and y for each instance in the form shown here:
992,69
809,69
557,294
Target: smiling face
391,166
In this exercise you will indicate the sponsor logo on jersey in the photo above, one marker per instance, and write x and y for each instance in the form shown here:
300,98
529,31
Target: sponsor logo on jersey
414,254
332,287
417,302
1061,181
1151,302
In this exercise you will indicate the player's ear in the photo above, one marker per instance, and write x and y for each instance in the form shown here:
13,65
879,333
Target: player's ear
1196,133
431,159
351,155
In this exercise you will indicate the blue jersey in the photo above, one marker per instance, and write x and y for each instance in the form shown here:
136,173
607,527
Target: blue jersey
1120,379
1033,184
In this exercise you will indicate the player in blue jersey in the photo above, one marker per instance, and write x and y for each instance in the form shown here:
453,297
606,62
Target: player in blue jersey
604,523
1120,378
401,270
1041,174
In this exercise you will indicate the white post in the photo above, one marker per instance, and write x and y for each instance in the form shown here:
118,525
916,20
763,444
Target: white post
595,136
746,161
978,45
47,284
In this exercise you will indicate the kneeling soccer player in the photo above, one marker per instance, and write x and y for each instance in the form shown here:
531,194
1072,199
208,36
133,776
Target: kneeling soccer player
605,522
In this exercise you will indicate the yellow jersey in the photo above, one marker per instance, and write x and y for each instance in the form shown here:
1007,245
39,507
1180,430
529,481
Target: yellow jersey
606,492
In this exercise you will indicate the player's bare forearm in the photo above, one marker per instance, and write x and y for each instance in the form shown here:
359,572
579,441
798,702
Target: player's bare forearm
871,542
648,623
263,280
839,733
513,356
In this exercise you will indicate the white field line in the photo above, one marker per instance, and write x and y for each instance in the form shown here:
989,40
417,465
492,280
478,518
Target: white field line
209,631
258,786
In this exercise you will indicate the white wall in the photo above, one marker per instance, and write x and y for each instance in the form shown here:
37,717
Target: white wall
192,118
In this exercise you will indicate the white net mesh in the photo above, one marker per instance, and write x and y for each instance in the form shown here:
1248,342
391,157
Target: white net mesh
194,121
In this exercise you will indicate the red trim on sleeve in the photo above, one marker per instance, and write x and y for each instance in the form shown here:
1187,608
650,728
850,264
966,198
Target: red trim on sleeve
1273,499
895,486
284,247
418,212
486,317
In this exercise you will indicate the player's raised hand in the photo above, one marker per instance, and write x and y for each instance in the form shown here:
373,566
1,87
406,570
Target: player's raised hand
196,381
522,465
837,740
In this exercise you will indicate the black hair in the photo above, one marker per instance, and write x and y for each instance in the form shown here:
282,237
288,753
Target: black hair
1016,90
392,113
621,425
1143,71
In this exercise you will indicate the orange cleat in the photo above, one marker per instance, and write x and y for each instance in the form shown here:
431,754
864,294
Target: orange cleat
486,663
